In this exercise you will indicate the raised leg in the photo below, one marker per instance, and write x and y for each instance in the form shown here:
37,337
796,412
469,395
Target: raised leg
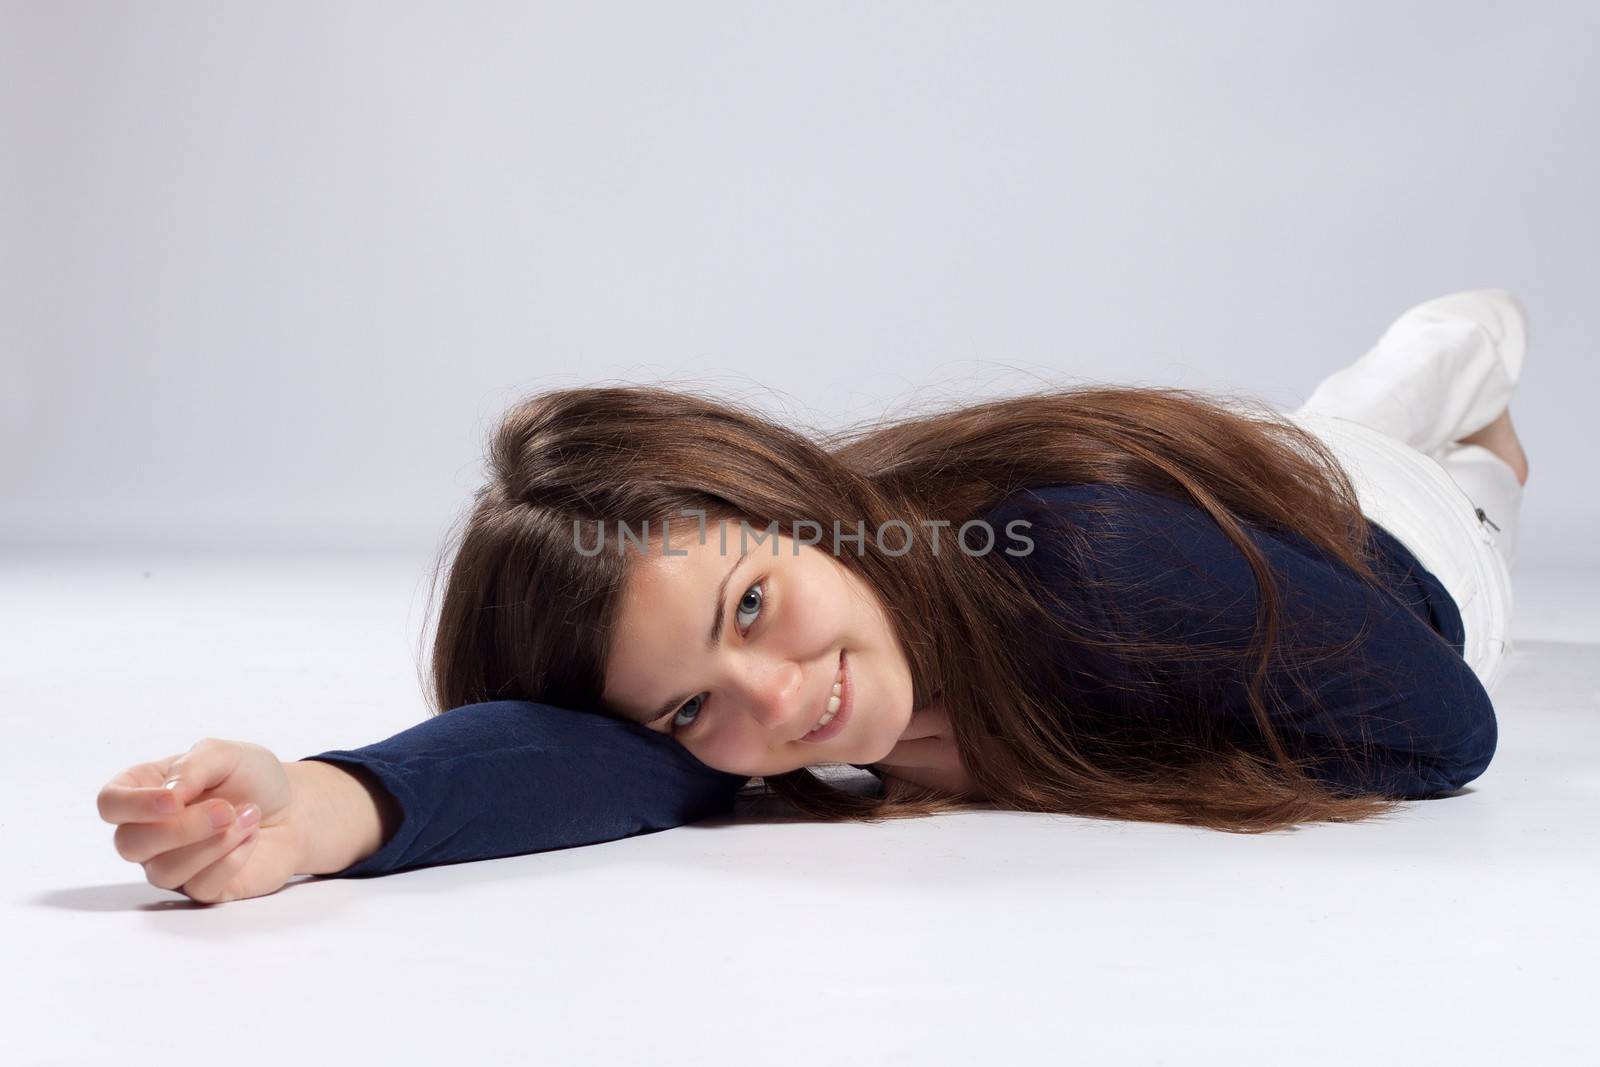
1500,437
1444,370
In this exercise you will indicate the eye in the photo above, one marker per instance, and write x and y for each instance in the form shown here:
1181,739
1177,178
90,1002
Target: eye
758,591
693,702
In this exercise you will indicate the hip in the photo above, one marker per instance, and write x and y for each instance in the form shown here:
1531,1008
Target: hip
1414,498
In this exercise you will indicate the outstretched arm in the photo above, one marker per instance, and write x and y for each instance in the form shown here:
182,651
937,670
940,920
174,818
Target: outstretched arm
500,778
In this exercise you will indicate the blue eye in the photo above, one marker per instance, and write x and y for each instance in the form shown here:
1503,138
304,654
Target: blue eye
758,590
760,594
691,703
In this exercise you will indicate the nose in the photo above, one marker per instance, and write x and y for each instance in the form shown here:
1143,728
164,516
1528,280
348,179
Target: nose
776,692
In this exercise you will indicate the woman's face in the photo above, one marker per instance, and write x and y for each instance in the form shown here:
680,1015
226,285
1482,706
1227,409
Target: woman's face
786,622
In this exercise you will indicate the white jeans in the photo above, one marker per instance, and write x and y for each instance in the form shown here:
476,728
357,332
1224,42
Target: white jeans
1442,371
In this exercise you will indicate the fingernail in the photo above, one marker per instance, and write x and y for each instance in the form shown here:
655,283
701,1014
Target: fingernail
166,804
170,783
249,816
221,815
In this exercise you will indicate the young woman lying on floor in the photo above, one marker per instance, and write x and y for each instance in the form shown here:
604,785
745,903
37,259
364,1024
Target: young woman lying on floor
1129,603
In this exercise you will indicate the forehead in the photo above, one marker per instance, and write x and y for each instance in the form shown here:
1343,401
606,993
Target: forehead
666,610
656,580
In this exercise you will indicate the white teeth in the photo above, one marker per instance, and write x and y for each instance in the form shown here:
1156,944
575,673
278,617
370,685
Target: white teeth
833,703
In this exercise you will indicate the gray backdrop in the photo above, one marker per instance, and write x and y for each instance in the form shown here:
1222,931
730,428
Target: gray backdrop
268,273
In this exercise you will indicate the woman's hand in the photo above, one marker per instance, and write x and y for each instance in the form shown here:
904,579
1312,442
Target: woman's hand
223,831
926,756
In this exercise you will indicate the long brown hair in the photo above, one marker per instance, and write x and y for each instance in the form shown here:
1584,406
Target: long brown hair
524,615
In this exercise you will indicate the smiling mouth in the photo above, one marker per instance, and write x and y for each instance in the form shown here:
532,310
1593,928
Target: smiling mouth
834,716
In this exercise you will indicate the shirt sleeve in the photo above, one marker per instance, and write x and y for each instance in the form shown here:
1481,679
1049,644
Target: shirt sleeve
1413,718
509,777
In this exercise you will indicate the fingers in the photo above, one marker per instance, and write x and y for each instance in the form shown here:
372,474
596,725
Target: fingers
205,766
174,868
140,842
134,795
218,882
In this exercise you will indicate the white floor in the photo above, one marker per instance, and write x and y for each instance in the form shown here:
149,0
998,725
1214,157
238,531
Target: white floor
1463,932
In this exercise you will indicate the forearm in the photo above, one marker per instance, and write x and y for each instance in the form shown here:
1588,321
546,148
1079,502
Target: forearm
346,816
501,778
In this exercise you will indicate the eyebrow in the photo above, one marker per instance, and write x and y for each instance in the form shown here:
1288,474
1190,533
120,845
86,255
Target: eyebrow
713,639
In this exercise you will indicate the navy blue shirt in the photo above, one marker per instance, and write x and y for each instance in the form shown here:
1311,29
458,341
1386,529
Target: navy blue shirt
1399,712
509,777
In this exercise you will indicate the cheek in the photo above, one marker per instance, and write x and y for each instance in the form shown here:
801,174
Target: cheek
816,613
731,746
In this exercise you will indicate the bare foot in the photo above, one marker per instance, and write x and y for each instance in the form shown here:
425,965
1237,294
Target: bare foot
1500,438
